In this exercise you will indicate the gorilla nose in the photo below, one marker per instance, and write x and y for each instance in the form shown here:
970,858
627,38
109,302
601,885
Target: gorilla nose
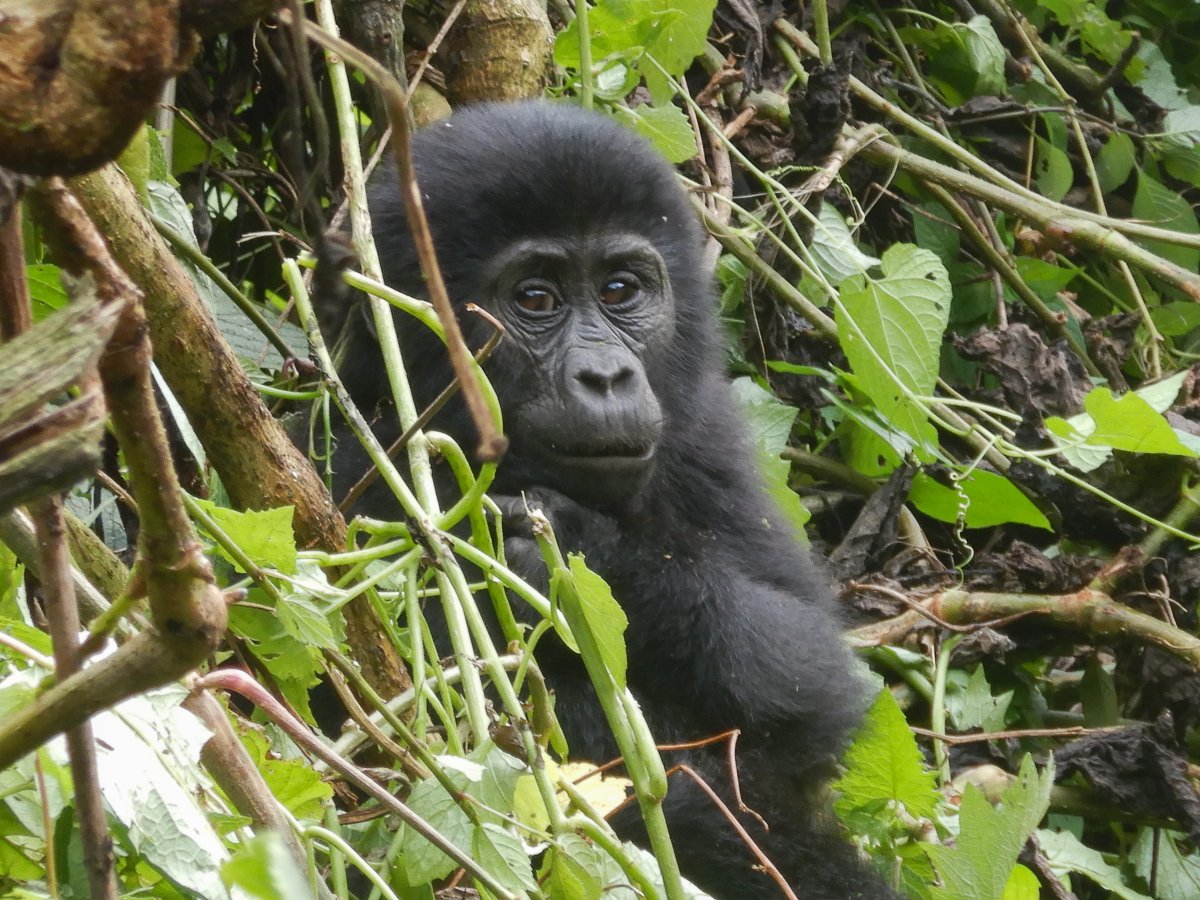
603,374
604,380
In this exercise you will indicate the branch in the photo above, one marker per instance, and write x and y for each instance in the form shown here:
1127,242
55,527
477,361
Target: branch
1092,612
52,551
258,463
79,79
188,610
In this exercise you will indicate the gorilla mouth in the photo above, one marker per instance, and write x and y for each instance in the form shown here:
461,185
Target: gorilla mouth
599,453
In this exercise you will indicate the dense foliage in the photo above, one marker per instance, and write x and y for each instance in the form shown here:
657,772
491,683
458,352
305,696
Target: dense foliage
958,258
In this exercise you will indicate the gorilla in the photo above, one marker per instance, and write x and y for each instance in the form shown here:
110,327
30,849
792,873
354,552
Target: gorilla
573,233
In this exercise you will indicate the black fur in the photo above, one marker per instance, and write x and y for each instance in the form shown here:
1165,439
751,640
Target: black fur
731,624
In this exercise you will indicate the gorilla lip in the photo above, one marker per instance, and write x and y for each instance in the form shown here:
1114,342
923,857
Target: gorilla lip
600,455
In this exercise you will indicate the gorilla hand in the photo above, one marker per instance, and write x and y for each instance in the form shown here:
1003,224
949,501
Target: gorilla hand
575,528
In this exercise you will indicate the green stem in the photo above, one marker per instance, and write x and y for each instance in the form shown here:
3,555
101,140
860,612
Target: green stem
586,89
937,707
820,11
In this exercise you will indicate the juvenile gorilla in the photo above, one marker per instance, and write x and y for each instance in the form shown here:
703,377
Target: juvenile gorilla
573,233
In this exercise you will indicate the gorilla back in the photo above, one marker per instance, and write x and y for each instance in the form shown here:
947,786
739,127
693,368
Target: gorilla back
577,237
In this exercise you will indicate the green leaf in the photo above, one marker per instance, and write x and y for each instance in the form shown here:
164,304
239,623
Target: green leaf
15,867
498,776
148,758
265,536
528,805
1130,423
1164,208
1099,34
966,59
1065,854
1157,80
1054,173
1176,319
19,689
666,127
884,764
571,875
619,29
934,230
732,276
769,419
306,621
990,838
292,664
833,247
603,615
502,854
646,862
1176,874
624,32
1182,127
970,703
1115,161
986,54
46,293
1071,436
1022,885
1180,144
243,335
1183,164
891,331
1098,694
1044,278
988,498
421,861
770,424
295,783
26,634
680,39
1077,436
263,869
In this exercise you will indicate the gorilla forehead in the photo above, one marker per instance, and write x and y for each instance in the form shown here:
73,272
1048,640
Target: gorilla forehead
553,170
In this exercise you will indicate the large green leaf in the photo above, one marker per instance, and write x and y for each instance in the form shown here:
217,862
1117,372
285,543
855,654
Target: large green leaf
1160,206
1066,853
985,499
666,127
884,764
891,331
990,838
1131,422
602,614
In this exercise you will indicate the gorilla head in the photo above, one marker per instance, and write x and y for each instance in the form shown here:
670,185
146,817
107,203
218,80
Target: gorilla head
578,239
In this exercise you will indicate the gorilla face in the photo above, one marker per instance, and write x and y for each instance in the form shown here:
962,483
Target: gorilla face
582,315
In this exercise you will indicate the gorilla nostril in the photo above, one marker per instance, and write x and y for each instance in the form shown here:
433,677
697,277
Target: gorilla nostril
604,381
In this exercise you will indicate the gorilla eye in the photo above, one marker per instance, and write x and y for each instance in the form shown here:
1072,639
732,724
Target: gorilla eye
617,291
536,299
